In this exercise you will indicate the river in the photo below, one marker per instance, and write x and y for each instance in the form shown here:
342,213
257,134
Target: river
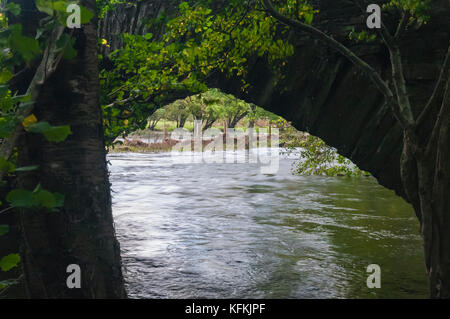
228,231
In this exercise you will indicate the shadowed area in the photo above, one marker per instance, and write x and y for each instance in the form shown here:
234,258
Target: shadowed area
322,92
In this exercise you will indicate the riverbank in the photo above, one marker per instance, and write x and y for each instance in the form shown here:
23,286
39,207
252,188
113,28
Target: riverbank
156,141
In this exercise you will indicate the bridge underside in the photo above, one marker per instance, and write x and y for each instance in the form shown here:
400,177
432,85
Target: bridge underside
323,93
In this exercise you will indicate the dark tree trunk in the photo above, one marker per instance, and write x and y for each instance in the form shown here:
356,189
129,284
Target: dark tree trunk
182,121
235,120
82,232
425,173
434,190
208,124
152,125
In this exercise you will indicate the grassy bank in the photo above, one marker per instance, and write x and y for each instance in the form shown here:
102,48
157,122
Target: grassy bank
156,141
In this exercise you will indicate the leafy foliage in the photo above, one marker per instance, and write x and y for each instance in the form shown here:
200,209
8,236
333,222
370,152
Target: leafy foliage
19,54
38,198
55,134
417,9
210,107
9,262
58,10
317,158
149,73
157,116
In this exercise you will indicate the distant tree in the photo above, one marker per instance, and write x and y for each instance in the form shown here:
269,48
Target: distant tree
177,111
204,109
156,117
233,110
257,113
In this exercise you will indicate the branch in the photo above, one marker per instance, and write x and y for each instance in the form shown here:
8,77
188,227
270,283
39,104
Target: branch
358,62
438,87
398,75
402,25
404,104
6,209
437,124
43,72
121,101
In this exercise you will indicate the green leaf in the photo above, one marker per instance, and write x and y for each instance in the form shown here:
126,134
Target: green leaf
13,8
21,98
86,15
9,262
26,168
4,229
49,6
20,198
309,17
52,133
27,47
184,6
7,126
39,127
4,89
44,198
5,76
37,188
44,6
57,133
6,166
60,7
70,52
40,198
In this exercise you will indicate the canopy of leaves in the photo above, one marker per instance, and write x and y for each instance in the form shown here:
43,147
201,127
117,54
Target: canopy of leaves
148,73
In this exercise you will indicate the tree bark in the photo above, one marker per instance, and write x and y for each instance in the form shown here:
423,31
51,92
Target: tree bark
425,173
434,189
82,232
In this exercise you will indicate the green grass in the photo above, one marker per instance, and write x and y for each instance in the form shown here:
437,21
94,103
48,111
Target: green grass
172,125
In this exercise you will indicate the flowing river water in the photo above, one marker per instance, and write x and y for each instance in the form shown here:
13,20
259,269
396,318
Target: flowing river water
228,231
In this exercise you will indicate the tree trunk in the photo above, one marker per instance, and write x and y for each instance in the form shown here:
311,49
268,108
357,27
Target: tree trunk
183,120
426,180
435,206
82,232
435,222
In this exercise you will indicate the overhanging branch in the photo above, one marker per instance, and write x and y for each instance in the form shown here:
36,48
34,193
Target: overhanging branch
440,84
46,68
404,121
